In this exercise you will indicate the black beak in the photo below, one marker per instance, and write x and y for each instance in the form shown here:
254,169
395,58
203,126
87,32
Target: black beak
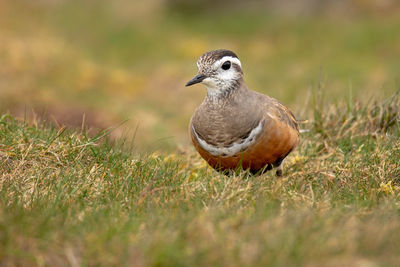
196,79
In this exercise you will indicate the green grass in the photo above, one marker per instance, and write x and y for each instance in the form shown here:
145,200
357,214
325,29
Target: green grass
70,199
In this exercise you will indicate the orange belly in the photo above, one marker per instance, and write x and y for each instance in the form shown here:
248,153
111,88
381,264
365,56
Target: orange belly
275,142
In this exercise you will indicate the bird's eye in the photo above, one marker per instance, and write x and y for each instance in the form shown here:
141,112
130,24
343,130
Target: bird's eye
226,65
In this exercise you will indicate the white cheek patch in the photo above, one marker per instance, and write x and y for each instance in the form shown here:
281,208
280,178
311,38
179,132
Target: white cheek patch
227,75
231,73
233,149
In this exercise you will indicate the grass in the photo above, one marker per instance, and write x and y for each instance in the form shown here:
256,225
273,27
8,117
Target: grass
70,199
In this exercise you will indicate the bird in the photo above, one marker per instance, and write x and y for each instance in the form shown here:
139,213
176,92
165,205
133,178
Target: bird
237,128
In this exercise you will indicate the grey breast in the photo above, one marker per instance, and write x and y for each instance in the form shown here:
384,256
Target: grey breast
229,122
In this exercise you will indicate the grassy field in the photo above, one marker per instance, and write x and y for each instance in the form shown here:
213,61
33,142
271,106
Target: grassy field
70,199
95,162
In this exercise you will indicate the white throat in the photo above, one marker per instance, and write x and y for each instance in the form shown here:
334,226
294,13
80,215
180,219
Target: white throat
216,90
220,88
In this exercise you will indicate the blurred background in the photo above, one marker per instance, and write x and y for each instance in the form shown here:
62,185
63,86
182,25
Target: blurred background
103,62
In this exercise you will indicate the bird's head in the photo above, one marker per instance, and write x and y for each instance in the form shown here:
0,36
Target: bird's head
219,70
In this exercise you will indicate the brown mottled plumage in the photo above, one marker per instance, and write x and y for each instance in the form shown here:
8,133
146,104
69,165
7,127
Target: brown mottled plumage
237,127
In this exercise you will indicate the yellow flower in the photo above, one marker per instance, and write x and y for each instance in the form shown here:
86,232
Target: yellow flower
388,188
193,175
297,159
170,157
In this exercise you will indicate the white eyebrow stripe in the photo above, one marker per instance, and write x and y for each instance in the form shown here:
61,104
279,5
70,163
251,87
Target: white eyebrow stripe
225,58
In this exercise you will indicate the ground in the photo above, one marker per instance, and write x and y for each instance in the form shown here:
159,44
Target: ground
68,198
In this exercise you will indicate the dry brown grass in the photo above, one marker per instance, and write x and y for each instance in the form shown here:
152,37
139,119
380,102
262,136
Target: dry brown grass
65,198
